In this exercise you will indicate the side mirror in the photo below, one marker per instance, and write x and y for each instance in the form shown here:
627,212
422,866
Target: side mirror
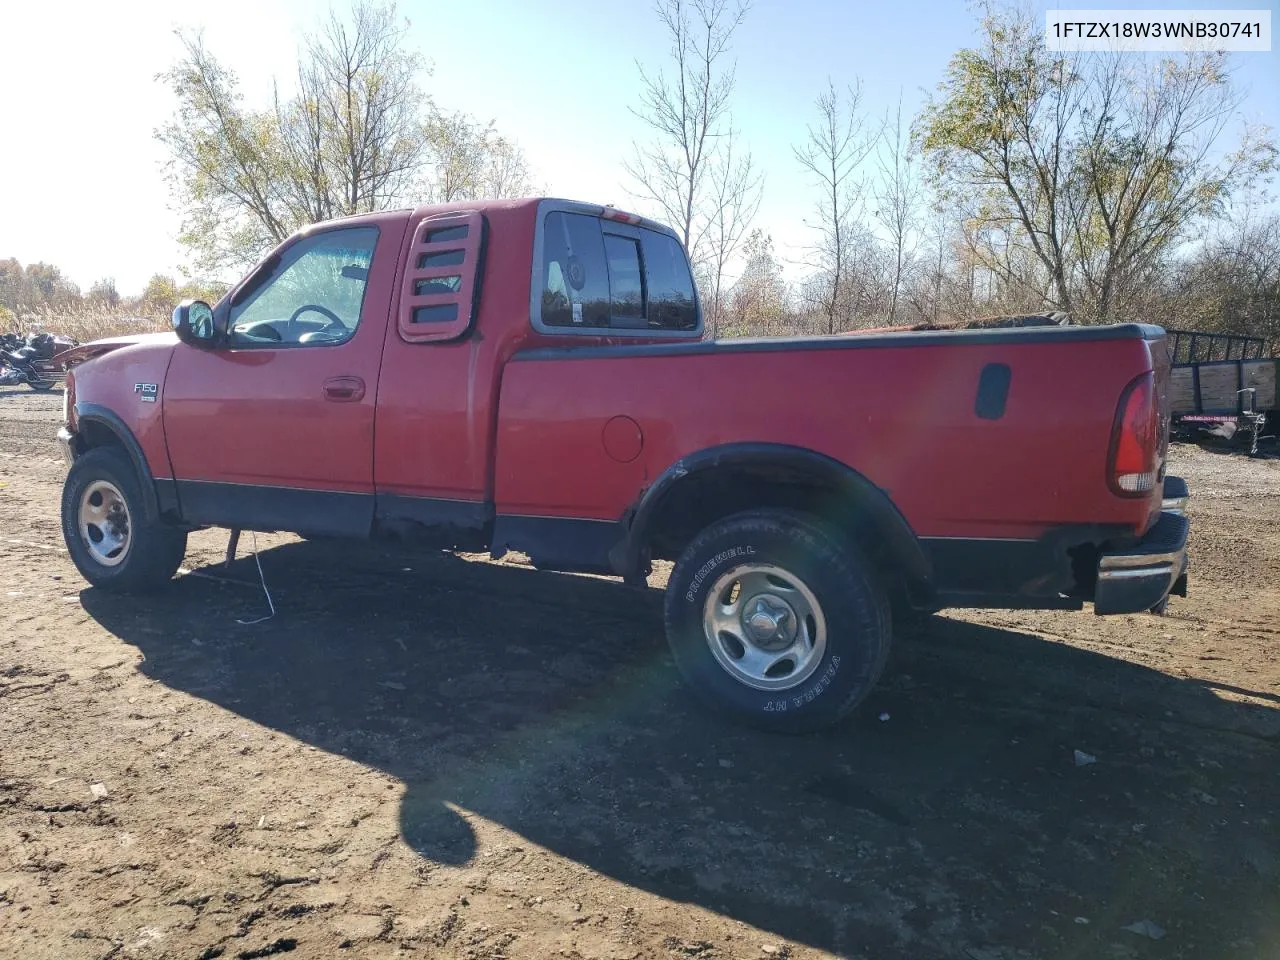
194,324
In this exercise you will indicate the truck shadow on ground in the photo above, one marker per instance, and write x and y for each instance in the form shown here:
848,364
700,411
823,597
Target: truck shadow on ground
548,704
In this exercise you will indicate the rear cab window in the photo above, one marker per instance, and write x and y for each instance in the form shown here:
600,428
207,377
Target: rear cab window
604,276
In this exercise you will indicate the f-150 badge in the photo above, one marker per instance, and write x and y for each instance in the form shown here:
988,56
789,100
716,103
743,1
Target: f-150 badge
146,392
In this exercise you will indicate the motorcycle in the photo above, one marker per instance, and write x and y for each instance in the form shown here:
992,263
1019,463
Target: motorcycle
30,360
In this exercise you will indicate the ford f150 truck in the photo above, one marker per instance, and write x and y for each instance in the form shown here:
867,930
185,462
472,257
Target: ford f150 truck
531,375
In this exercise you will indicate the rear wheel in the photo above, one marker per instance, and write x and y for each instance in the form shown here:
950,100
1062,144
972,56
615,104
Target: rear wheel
104,524
779,621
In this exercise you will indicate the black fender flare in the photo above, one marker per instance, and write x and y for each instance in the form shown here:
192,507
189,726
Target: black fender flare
901,541
112,421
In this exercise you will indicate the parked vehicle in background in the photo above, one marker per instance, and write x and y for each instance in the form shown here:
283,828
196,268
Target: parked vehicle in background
1224,385
531,375
33,360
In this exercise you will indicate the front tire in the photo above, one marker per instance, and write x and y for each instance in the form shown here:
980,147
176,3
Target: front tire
104,524
780,622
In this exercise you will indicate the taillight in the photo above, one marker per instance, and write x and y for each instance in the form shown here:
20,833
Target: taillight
611,213
1133,465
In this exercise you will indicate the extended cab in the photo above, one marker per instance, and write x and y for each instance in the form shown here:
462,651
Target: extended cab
531,375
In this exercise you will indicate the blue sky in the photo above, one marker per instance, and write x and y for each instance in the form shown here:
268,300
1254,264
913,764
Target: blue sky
83,174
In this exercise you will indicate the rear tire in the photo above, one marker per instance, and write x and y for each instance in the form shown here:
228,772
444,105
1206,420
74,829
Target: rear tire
778,621
105,527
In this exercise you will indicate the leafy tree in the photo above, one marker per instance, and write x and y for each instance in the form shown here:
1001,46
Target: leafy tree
104,293
45,286
160,295
758,300
470,160
358,134
12,279
1078,173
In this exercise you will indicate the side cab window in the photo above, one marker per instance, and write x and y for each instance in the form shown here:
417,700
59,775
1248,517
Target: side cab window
441,292
312,297
596,274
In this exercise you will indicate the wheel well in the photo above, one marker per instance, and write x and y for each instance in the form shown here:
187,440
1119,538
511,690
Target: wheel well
845,505
95,433
100,429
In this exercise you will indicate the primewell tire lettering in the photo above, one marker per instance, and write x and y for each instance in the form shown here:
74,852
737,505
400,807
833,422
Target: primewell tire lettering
705,570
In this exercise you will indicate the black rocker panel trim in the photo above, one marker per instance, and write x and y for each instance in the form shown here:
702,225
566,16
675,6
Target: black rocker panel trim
253,507
449,524
559,543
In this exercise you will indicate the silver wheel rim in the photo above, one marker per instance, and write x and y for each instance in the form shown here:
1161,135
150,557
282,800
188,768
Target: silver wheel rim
765,627
104,522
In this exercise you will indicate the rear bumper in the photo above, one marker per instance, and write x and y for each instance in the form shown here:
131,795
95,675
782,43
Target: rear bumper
1176,495
1141,576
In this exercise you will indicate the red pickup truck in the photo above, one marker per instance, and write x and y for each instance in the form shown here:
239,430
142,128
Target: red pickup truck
531,375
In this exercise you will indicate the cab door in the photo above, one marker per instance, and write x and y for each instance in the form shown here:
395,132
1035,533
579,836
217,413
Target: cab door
274,430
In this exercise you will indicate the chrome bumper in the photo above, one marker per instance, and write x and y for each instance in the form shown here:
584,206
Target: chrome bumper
1141,577
66,441
1176,496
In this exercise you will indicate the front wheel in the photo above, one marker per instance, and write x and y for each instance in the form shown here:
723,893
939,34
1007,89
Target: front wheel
779,621
105,526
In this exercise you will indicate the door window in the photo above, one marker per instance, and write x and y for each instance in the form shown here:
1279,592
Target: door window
313,296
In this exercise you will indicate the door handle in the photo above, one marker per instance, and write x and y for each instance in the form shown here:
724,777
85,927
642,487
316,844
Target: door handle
344,389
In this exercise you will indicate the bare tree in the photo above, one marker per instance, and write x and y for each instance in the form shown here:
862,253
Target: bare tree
686,107
897,197
731,205
360,82
1231,282
836,145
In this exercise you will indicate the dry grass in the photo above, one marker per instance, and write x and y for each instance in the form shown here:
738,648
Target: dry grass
94,323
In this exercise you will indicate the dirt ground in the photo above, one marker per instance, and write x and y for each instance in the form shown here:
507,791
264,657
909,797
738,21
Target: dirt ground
428,756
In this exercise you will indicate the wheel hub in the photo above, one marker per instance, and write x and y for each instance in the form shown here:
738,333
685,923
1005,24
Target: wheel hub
769,621
765,627
105,523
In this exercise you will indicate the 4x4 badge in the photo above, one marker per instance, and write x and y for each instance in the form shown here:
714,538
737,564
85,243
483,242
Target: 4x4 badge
146,392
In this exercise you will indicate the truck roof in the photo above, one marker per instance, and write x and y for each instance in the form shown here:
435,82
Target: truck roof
515,205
